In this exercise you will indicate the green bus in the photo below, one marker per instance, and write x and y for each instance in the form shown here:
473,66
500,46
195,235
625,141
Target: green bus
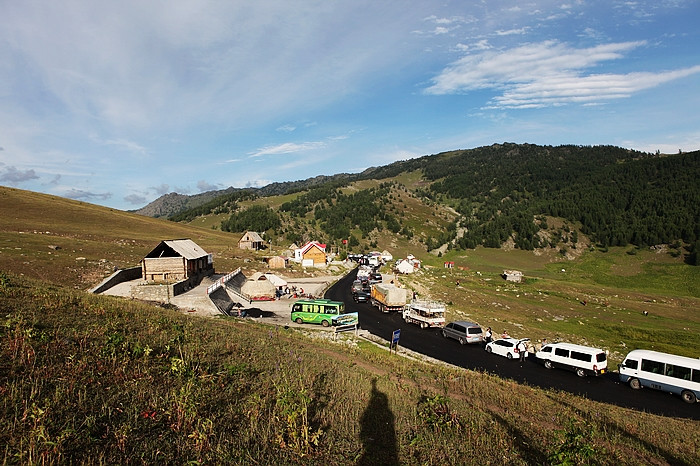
322,311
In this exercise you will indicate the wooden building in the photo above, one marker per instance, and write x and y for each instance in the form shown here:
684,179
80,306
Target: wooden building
176,260
312,254
251,240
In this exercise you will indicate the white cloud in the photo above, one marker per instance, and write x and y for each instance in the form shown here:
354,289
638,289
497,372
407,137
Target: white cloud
130,146
548,74
288,148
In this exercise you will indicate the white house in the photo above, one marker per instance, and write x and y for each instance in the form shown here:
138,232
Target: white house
405,266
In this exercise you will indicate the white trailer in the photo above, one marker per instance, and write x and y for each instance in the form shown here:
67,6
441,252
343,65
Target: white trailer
426,313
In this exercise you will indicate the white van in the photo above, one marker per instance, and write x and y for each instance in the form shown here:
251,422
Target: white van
662,371
581,359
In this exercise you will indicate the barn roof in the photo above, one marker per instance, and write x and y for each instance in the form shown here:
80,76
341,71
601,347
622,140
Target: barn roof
181,247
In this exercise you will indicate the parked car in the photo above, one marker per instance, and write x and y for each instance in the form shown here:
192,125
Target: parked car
361,296
507,347
464,332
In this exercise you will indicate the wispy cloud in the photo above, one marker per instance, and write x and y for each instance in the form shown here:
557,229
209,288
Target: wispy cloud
135,199
548,74
83,195
288,148
130,146
203,186
13,175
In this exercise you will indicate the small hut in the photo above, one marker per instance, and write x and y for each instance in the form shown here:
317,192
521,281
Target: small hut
259,288
513,276
276,262
251,240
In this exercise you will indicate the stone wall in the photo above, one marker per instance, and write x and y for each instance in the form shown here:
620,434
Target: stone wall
120,276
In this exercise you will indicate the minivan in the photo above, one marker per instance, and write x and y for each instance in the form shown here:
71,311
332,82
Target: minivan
464,332
670,373
581,359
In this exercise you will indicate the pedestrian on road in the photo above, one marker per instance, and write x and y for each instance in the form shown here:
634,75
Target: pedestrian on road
522,350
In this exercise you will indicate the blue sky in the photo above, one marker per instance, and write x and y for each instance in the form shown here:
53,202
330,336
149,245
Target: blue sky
117,103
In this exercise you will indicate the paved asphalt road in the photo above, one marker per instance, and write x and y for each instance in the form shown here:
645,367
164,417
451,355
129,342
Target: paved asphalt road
430,342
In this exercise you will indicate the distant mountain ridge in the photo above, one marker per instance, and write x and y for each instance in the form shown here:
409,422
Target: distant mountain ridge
173,203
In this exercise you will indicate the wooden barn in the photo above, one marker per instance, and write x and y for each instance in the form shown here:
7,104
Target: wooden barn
251,240
176,260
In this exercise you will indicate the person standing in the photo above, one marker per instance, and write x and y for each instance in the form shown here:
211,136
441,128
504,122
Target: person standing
488,336
522,350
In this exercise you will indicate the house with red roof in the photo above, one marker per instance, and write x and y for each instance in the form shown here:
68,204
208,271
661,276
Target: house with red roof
312,254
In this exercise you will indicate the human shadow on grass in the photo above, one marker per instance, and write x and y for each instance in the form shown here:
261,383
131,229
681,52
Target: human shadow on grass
377,431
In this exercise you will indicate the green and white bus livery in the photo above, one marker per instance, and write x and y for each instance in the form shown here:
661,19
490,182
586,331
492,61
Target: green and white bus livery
322,311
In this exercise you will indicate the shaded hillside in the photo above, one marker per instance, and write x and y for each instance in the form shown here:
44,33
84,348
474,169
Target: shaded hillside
504,193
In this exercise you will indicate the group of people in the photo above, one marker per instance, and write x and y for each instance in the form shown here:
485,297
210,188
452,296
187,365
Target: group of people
522,346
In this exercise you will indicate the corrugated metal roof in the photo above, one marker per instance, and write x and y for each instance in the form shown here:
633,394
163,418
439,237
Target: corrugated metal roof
186,248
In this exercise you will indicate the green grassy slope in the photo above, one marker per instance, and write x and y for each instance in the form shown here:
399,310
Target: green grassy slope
93,379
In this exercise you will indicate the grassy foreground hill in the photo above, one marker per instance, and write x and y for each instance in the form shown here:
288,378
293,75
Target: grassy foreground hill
95,379
91,379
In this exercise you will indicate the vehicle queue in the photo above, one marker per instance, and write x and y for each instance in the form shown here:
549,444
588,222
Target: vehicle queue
641,368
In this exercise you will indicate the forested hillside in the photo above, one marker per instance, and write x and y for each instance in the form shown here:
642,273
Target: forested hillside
500,193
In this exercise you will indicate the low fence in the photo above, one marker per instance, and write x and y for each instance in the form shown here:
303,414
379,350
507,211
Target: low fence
222,281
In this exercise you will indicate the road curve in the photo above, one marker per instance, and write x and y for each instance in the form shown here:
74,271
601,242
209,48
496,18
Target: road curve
430,342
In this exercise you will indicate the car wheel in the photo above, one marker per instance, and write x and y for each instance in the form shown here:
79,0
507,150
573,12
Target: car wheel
688,396
548,364
488,349
509,356
462,341
325,323
580,372
635,384
299,321
423,325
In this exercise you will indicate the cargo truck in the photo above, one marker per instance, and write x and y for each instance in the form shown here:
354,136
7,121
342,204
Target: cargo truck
387,297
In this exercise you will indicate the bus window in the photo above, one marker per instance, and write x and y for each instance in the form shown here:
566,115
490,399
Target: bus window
678,372
654,367
296,308
561,352
696,376
631,364
581,356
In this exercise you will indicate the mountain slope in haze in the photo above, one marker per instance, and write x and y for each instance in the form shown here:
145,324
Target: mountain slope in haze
173,203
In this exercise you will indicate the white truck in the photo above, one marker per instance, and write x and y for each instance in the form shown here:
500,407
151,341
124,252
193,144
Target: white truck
426,313
387,297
